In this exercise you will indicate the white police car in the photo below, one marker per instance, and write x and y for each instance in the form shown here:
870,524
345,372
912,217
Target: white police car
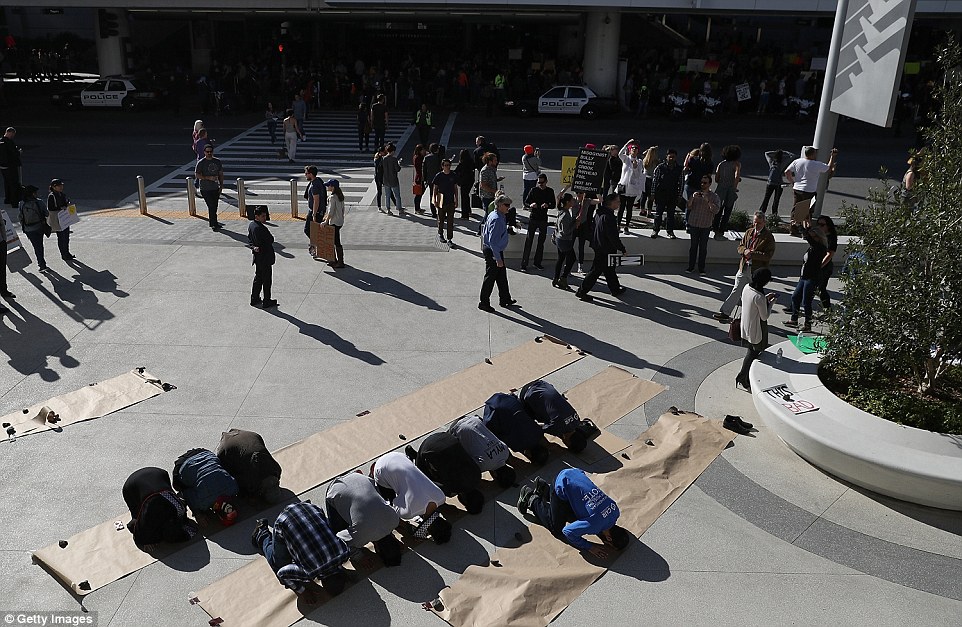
565,99
109,92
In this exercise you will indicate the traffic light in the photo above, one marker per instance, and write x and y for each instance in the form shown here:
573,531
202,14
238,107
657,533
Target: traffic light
109,25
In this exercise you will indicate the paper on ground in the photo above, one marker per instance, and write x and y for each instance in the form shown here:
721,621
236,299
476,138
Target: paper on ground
538,580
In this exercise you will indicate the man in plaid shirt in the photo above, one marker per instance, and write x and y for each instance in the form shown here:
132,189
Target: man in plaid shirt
301,549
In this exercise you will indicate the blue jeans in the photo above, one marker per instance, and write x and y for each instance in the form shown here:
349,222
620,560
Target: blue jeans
728,196
802,296
698,249
393,191
275,552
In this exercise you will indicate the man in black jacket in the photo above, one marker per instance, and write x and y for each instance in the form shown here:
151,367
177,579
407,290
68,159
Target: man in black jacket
666,184
539,200
10,167
262,243
429,169
605,241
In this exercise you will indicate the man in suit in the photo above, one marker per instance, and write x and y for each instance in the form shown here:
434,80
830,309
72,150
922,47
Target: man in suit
262,243
605,241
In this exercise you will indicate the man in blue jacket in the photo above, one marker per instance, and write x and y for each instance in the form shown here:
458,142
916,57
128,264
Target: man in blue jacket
494,238
573,508
605,241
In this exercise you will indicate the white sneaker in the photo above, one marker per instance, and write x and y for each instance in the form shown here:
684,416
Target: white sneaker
581,269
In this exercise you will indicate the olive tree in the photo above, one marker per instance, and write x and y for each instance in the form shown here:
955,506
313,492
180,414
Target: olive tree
903,289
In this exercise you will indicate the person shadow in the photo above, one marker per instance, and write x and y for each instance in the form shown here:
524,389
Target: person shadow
86,305
385,285
100,280
31,342
326,336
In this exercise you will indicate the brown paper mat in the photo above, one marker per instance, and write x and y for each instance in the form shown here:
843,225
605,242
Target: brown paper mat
101,555
538,580
94,401
252,596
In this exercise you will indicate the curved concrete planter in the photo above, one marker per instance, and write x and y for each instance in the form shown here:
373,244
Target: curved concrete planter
903,462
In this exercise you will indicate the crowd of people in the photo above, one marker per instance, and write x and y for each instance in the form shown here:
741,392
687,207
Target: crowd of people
402,491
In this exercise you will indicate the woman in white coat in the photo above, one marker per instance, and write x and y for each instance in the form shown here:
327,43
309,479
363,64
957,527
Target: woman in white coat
756,307
632,182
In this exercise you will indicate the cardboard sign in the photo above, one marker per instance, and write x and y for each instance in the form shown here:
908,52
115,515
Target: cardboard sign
783,396
617,259
322,239
589,170
68,217
568,169
743,92
11,239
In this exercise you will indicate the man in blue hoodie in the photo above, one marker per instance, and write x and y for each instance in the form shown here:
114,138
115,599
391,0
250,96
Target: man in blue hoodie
494,237
573,508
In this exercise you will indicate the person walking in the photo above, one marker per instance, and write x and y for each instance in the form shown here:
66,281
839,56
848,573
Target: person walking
631,185
391,166
299,107
57,201
430,166
728,175
10,164
335,219
776,179
564,240
33,221
465,173
379,119
584,224
494,239
702,208
756,308
210,172
755,250
530,170
262,248
363,127
539,200
271,117
804,292
444,188
666,189
605,241
292,132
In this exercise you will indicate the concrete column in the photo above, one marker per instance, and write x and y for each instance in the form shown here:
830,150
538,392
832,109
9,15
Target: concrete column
827,122
601,51
111,56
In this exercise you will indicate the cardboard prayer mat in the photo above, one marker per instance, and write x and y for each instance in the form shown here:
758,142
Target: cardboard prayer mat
538,580
94,401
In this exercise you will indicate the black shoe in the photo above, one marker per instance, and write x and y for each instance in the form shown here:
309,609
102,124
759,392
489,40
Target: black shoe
509,303
585,297
671,235
719,316
441,239
654,235
524,499
410,452
451,244
43,268
524,268
738,419
745,383
256,302
539,266
618,292
563,284
733,425
269,303
259,527
486,307
542,488
7,295
689,270
69,257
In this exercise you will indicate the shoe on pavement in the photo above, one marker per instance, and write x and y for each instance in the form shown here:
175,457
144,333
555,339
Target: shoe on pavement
793,323
738,419
7,295
269,303
654,235
524,499
721,317
702,273
618,292
256,302
585,297
486,307
734,425
509,303
671,235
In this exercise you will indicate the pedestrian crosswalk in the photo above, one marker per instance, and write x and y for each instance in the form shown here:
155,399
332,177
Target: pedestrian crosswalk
331,145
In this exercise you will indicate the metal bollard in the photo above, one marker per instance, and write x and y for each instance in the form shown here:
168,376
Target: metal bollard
293,198
241,199
191,196
142,193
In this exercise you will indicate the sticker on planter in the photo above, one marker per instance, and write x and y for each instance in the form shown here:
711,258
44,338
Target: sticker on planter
783,396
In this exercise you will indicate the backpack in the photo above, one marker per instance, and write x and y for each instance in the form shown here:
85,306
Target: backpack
32,212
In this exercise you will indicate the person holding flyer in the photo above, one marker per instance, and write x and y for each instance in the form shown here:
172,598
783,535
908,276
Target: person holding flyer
60,217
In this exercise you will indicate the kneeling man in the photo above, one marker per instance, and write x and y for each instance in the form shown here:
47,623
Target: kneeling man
358,515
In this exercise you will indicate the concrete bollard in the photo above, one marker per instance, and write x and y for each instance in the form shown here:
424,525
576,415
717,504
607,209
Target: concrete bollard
142,193
191,196
293,198
241,199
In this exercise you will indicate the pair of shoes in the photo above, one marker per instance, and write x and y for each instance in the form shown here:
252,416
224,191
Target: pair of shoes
721,317
69,257
269,303
744,383
736,424
259,527
689,270
524,499
509,303
7,295
654,235
793,323
585,297
671,235
539,266
256,302
618,292
486,307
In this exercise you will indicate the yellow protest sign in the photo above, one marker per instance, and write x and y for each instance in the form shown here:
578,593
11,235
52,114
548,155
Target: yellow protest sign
568,169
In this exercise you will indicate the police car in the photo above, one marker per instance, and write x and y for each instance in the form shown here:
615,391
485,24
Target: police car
114,92
565,99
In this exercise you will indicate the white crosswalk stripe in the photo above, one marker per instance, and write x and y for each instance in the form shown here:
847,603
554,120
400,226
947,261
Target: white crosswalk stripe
331,145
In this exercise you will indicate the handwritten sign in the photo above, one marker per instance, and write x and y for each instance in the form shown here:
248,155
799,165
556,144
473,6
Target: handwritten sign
568,169
743,92
12,240
783,396
589,170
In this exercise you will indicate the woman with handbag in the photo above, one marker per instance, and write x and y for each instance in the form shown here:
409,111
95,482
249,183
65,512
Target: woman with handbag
756,308
56,202
335,218
33,221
